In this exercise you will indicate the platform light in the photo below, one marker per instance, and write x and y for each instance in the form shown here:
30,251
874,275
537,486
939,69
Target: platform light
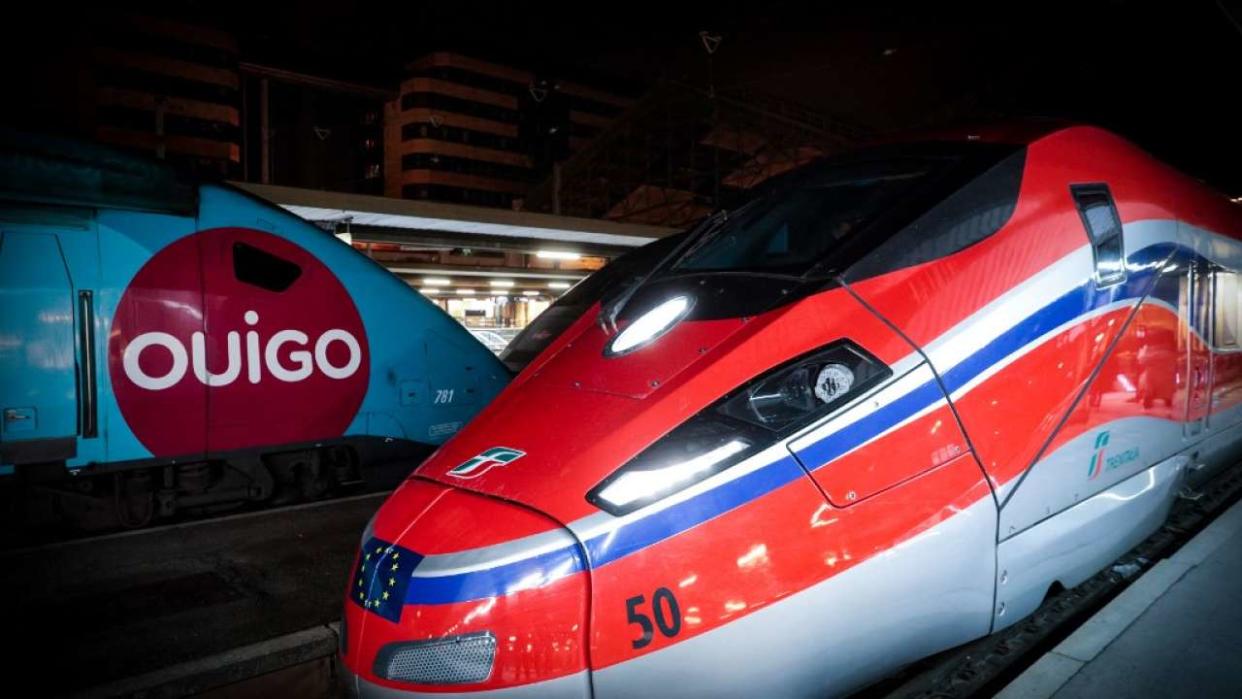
558,255
530,293
501,283
437,281
430,292
1236,200
465,292
558,285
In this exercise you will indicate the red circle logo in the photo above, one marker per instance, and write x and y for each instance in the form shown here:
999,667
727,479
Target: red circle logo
233,338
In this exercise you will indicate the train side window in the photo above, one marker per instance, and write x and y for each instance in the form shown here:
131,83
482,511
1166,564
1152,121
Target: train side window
1227,307
263,269
1099,217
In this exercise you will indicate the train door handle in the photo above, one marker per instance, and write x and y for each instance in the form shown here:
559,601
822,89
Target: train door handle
88,417
19,420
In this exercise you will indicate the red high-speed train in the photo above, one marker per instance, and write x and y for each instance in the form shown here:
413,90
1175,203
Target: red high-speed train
876,412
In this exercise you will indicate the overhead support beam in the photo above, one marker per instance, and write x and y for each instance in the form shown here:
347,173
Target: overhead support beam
387,212
289,76
438,240
493,272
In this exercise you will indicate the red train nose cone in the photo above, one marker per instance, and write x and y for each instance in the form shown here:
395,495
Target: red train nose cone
461,589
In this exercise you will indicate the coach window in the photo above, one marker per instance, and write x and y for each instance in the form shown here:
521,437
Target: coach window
1099,217
263,269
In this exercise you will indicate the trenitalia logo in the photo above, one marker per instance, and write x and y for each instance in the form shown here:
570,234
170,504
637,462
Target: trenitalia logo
1100,462
302,361
476,466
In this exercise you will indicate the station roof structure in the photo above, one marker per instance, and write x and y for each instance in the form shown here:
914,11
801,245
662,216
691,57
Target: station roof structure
386,219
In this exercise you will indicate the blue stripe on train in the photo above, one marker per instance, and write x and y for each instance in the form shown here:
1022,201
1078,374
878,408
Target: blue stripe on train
663,524
505,579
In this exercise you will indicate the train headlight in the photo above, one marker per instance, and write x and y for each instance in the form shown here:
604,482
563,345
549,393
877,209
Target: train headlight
805,388
749,419
635,486
648,327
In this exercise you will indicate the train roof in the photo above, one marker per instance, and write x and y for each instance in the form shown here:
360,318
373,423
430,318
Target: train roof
54,170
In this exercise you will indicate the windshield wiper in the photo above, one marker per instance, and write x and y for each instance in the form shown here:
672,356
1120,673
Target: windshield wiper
708,227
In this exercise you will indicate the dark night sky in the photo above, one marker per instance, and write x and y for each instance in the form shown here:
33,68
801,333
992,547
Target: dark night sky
1162,73
1165,74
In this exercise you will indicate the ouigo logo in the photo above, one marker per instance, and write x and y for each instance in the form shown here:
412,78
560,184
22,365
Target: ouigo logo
476,466
232,337
302,363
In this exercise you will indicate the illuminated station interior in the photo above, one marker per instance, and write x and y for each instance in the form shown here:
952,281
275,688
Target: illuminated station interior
491,269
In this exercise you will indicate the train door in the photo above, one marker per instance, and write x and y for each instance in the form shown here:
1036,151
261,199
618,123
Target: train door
247,276
1197,309
150,306
285,352
1226,400
38,382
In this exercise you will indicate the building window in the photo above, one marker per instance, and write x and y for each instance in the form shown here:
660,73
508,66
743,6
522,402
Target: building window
1103,225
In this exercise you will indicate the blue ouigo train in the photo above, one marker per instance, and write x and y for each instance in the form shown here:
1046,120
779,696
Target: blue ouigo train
169,345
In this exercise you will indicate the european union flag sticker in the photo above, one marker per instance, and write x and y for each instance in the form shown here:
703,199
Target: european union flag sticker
381,578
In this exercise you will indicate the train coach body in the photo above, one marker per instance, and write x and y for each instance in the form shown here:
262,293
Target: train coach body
154,323
878,412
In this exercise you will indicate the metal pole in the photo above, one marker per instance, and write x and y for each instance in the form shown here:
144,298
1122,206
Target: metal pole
265,163
556,188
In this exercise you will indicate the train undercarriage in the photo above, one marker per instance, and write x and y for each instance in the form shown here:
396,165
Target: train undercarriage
49,498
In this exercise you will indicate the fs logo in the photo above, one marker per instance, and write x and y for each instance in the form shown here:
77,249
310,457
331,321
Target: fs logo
1100,462
476,466
232,338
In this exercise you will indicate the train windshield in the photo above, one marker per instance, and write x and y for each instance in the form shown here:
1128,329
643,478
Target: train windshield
853,216
794,227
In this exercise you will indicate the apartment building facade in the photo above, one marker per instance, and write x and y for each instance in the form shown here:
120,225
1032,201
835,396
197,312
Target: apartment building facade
169,89
474,132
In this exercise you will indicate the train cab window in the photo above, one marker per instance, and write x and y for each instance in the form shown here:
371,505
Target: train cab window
1099,217
821,214
263,269
1227,307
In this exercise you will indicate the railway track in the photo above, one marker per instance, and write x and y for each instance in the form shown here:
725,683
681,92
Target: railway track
239,580
20,535
131,603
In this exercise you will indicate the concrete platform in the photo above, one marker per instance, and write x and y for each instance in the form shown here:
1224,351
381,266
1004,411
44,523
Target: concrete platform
101,612
1175,632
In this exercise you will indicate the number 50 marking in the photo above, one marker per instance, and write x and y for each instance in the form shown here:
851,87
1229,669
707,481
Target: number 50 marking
666,612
